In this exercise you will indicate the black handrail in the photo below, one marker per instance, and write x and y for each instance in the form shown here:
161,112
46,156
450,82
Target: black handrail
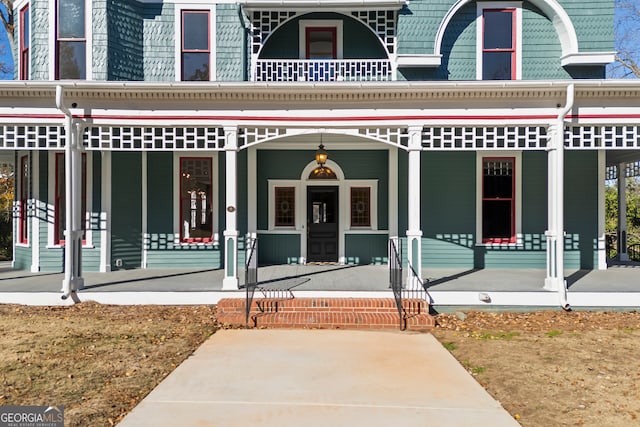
634,252
250,272
395,277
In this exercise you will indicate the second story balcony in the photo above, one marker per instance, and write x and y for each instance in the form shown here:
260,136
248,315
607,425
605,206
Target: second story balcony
322,70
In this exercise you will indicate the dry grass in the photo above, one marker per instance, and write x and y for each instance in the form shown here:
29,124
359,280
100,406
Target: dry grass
97,361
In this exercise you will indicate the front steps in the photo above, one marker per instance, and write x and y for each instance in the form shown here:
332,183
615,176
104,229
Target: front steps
325,313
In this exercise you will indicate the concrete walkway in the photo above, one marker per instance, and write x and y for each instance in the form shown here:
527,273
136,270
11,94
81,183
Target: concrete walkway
293,378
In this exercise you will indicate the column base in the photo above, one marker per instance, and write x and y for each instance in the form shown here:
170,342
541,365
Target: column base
230,284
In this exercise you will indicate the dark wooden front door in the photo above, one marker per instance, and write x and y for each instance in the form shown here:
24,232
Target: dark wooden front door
322,224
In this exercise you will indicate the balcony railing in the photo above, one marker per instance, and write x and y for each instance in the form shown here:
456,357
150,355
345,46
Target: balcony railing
305,70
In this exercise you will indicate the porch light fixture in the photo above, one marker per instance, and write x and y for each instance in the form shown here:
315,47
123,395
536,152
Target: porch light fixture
321,155
322,172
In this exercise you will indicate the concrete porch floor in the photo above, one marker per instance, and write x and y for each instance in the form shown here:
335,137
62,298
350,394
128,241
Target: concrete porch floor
618,286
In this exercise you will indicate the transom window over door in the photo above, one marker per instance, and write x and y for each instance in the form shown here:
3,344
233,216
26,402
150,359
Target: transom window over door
498,200
196,46
71,42
196,198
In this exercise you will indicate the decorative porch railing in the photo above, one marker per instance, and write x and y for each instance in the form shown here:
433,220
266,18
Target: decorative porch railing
250,272
307,70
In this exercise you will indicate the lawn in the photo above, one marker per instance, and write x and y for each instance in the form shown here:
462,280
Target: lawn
550,368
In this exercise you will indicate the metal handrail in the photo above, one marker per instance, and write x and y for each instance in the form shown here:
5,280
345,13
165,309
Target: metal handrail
395,277
250,272
634,252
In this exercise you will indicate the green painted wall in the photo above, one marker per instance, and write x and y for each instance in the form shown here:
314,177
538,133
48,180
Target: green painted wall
232,59
125,38
448,208
158,21
366,248
581,209
126,209
359,40
278,249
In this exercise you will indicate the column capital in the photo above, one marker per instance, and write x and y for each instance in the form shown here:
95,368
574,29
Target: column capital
415,138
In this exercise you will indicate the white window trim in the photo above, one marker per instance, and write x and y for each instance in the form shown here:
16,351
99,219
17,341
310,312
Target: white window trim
372,184
327,23
298,219
88,27
481,6
51,208
517,156
215,190
178,36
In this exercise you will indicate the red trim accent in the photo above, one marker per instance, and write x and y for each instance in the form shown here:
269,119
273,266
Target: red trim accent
24,43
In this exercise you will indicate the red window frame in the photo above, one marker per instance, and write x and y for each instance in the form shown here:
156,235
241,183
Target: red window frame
512,238
183,50
183,199
23,224
25,42
511,50
60,202
334,39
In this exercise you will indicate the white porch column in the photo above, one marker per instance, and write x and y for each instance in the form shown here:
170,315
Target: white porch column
230,281
555,217
414,233
622,213
73,280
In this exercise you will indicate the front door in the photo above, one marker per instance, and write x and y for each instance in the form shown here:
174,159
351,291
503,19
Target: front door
322,224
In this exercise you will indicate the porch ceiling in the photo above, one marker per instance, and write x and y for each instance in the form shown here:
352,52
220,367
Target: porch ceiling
615,157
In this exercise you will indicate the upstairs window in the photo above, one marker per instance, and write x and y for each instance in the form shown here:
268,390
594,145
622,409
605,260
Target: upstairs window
499,38
71,40
25,43
196,45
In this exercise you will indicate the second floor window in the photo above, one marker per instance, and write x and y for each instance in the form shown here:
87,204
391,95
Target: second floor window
498,44
25,43
321,43
71,41
195,46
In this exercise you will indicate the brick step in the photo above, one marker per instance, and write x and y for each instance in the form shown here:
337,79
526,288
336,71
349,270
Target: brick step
326,313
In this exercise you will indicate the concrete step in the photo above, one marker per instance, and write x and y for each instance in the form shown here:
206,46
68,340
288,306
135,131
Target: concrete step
326,313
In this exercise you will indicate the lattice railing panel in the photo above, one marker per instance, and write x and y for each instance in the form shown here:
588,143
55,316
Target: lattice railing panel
291,70
631,170
611,137
395,136
263,23
484,138
153,138
383,23
253,135
40,137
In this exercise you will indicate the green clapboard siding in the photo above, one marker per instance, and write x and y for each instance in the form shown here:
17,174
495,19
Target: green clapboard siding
160,193
366,248
278,249
581,208
360,42
126,209
448,208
